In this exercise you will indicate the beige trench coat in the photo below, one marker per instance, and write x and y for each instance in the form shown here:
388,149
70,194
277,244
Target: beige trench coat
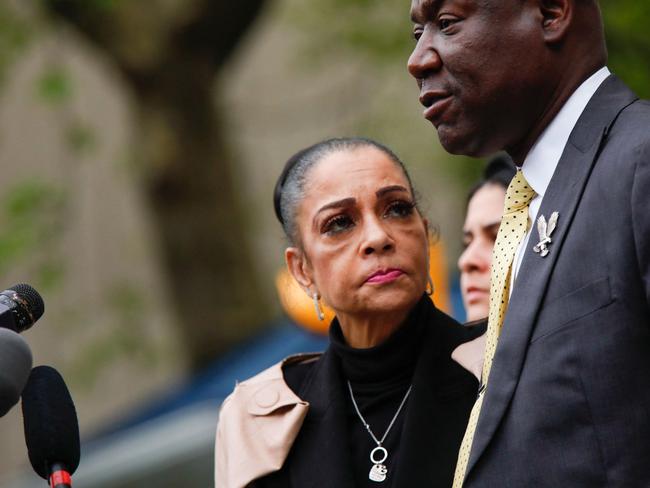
260,420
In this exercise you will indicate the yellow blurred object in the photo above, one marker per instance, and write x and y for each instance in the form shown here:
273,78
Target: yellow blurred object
438,272
300,307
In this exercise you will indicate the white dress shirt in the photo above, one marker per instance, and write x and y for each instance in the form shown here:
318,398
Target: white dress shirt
542,159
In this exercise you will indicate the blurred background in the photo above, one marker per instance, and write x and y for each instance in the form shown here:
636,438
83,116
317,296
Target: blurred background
139,145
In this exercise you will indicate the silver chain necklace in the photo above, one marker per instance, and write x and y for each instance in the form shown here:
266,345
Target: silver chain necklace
379,454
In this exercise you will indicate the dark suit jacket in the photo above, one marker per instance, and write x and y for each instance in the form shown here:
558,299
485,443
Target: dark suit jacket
568,399
436,415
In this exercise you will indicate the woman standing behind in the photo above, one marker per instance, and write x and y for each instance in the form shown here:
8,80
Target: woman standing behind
484,211
385,405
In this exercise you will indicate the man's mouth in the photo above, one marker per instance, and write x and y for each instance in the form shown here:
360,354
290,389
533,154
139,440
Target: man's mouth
435,103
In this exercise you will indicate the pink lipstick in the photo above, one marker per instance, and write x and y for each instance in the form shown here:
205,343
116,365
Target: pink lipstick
385,276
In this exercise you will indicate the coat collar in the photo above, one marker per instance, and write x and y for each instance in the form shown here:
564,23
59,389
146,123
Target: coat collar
258,424
563,195
321,454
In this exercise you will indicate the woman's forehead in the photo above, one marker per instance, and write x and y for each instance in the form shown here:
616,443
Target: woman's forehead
359,168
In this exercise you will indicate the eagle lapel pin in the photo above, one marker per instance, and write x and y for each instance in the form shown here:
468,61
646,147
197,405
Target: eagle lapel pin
545,230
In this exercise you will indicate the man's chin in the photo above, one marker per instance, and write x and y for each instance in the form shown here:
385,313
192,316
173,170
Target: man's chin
463,143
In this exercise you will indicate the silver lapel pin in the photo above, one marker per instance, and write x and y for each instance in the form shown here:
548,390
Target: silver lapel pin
545,230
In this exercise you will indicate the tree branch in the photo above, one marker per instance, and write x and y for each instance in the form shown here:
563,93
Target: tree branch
217,27
145,38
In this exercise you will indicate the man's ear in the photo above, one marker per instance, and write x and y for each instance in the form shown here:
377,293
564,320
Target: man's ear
557,16
299,268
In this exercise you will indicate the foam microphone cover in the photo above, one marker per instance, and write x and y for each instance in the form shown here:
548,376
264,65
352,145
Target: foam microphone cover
50,420
15,365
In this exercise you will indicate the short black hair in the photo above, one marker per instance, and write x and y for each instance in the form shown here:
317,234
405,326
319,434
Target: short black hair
498,171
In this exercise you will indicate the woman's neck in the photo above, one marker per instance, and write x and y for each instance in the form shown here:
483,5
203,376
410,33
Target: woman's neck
365,332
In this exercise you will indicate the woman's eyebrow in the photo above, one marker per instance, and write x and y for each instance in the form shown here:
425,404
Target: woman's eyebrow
389,189
492,227
345,202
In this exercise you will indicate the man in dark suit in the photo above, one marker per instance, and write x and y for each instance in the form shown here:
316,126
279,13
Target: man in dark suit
567,399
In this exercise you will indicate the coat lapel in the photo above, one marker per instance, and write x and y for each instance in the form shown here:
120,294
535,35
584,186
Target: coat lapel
563,195
321,454
442,397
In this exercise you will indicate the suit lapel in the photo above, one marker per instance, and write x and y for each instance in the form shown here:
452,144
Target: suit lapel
563,195
321,457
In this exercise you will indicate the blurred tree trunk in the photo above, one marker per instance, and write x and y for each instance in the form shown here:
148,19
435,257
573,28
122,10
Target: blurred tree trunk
170,55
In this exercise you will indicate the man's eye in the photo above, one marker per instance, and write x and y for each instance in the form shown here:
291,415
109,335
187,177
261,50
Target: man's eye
337,224
400,209
445,23
417,34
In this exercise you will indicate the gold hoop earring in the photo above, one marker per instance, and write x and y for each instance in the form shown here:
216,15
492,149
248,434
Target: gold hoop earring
429,288
319,311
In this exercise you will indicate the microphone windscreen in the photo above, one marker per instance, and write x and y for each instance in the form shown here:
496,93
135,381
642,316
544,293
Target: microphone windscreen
50,420
31,298
15,365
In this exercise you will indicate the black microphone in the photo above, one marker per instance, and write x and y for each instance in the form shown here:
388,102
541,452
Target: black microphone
15,365
51,427
20,307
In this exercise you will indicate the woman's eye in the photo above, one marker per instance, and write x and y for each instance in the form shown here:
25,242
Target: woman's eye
400,209
337,224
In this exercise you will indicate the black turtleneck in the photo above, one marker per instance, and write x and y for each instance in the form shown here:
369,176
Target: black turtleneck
380,377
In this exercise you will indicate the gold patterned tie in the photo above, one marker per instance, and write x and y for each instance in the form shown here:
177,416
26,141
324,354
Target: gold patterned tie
514,226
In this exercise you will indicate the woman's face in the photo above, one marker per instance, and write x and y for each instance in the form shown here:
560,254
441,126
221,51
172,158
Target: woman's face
364,244
479,233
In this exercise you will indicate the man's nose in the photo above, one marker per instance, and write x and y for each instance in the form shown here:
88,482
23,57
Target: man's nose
424,59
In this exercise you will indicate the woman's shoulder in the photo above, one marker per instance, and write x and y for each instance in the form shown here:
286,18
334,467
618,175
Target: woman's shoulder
271,389
464,344
259,421
453,332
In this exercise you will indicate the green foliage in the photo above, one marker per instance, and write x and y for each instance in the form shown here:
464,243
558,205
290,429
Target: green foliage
15,35
54,86
126,337
103,4
30,211
51,273
379,31
31,219
626,26
80,138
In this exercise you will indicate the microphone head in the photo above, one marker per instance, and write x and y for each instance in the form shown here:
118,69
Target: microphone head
20,307
15,365
50,421
31,298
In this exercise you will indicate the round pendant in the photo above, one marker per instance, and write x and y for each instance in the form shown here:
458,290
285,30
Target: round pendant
383,453
378,472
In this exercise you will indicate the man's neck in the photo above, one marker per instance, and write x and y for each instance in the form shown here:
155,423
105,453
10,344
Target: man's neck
561,94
